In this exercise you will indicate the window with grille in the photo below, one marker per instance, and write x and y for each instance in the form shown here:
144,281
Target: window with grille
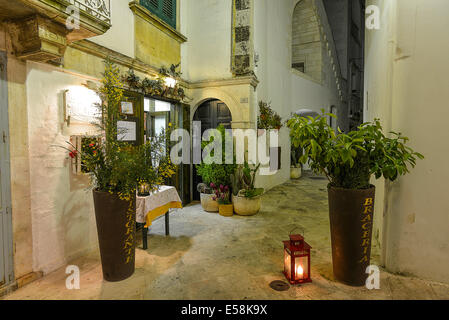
164,9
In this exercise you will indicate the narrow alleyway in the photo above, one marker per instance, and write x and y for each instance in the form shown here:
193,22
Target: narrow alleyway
211,257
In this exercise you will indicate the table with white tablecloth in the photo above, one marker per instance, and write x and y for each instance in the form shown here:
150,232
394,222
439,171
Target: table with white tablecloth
155,205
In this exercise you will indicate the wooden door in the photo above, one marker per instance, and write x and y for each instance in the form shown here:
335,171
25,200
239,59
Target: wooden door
211,113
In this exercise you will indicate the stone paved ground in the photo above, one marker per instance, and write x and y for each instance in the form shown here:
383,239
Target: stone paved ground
211,257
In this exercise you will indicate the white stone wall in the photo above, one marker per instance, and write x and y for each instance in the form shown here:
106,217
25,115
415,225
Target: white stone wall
63,219
287,89
406,85
120,37
207,53
306,39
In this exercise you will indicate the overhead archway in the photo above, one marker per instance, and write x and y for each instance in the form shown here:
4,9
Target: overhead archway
306,40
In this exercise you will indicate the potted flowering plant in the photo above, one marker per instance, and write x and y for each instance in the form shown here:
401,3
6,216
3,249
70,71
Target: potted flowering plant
349,161
213,173
116,169
221,195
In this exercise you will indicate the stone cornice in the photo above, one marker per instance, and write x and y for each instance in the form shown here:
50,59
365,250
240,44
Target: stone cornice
244,80
142,12
100,51
97,50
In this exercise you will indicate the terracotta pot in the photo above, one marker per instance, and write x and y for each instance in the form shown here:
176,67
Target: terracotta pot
295,173
208,203
351,221
116,227
246,206
226,210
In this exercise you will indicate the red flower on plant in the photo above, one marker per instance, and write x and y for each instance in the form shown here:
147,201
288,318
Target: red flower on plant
73,154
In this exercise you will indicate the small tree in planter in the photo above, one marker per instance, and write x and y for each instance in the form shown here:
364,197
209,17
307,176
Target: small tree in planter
214,173
117,169
349,161
246,198
268,119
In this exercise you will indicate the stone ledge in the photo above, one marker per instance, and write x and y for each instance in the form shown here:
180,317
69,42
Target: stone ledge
305,76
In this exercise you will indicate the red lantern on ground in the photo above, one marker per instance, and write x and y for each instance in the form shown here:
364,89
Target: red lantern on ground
297,260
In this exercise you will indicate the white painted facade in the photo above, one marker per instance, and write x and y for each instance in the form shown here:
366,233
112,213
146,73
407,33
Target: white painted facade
63,218
120,36
406,87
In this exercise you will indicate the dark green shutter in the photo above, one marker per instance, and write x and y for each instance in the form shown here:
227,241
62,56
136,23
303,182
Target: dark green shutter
164,9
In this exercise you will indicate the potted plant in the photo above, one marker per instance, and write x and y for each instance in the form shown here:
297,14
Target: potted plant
268,119
225,207
213,174
245,197
349,161
296,165
116,169
208,203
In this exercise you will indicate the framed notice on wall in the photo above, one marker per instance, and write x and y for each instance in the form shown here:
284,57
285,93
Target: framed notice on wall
127,131
127,108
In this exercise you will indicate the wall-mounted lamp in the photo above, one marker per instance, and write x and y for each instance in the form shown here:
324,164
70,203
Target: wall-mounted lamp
80,104
170,82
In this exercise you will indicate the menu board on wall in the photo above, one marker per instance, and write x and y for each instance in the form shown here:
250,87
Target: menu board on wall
127,108
127,131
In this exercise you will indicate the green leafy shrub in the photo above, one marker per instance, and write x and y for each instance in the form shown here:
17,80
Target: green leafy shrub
218,174
268,119
350,160
115,166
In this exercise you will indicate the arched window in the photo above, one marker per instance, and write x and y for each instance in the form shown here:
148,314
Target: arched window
306,40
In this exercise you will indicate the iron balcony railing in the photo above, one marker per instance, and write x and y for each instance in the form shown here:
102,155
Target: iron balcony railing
100,9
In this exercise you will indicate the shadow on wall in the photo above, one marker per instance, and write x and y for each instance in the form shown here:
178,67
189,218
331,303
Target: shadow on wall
77,220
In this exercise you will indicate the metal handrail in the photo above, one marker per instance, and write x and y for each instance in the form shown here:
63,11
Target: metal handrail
100,9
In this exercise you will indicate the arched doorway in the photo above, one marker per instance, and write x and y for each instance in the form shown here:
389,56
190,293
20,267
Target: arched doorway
211,114
306,40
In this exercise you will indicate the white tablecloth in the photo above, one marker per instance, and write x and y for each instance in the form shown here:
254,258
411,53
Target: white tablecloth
155,200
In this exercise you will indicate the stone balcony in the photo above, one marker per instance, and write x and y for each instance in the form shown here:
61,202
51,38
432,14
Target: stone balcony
39,29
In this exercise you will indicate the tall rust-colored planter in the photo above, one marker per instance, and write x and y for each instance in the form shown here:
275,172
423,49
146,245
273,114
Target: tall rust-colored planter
351,221
116,227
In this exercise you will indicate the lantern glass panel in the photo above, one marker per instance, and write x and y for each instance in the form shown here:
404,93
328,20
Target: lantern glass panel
301,268
287,264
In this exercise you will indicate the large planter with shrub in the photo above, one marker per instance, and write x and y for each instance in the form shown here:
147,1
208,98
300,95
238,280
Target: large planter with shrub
116,227
349,161
208,203
246,206
351,215
118,170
